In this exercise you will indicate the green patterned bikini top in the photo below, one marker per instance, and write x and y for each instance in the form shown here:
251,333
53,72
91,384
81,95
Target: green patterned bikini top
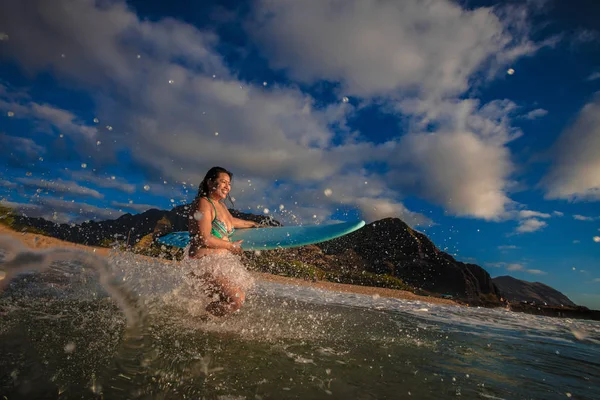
219,229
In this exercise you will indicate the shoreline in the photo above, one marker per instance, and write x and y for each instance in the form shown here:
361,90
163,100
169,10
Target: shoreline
39,242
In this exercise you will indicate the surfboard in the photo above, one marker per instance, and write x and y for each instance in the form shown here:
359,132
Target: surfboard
279,237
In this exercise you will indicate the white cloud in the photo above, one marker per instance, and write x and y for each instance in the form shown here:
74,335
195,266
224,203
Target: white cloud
537,113
536,271
530,225
515,267
558,213
60,186
7,184
375,209
64,211
575,170
138,208
465,165
263,132
532,214
596,239
583,218
508,247
593,76
20,207
109,182
597,280
495,265
431,50
21,146
369,193
45,115
374,47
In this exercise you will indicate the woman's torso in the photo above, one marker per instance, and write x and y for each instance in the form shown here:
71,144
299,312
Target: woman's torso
222,227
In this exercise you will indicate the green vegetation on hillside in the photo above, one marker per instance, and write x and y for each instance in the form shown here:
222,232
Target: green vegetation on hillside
302,270
7,218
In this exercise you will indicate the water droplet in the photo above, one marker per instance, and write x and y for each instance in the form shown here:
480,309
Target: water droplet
98,143
62,55
3,36
281,206
171,81
61,135
510,71
266,211
139,56
328,192
41,158
214,76
165,182
345,99
314,215
113,178
10,114
596,239
69,347
216,133
146,187
83,165
264,83
110,128
172,200
96,120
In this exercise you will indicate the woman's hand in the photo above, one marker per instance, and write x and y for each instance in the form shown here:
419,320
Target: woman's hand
236,247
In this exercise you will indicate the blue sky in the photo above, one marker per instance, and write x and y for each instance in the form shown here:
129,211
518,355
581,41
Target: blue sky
476,122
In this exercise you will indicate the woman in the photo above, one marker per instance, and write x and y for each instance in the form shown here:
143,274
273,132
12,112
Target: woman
211,226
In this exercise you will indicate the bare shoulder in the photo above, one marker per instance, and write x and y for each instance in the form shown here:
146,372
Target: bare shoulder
204,206
203,202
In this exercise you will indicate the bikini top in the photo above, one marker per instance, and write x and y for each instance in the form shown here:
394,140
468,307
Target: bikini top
219,229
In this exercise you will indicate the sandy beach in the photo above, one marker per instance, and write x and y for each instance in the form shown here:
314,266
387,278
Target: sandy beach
35,241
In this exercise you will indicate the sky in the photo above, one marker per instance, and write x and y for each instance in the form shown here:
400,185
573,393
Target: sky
475,122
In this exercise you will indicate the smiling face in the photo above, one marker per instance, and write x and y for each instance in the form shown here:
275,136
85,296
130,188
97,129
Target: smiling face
221,186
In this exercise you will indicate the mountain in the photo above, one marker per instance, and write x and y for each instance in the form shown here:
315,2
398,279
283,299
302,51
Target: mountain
390,246
385,253
128,228
516,290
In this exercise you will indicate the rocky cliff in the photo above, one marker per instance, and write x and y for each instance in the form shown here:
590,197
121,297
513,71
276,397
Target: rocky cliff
516,290
390,246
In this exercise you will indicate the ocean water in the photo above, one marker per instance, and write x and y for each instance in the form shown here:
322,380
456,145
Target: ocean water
76,326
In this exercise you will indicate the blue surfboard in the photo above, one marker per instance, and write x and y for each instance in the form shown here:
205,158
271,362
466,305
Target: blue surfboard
279,237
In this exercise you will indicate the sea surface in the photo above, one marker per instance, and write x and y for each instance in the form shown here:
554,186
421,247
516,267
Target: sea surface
75,326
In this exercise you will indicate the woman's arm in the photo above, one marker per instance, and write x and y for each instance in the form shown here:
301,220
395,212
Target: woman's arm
204,216
242,223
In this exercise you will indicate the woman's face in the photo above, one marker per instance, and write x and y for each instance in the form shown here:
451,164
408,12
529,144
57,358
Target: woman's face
221,186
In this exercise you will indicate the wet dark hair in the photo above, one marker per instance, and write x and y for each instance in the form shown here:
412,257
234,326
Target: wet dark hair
211,175
204,189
